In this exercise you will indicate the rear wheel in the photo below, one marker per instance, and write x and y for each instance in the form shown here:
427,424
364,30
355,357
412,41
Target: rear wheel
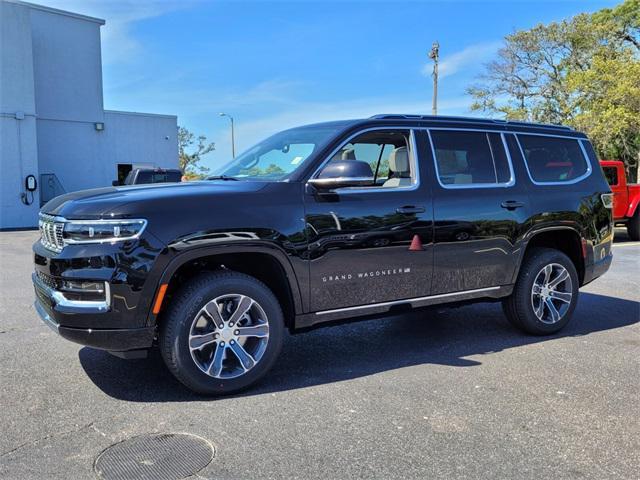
633,226
545,294
222,332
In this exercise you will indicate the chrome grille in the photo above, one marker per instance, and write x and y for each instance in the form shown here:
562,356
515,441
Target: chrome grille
51,233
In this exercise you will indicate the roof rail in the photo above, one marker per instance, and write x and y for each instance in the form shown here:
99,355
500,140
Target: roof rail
442,118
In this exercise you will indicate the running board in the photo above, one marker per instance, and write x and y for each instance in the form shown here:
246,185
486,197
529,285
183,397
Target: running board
311,319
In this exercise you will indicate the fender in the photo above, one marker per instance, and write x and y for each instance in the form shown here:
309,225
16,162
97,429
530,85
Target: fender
245,247
535,231
633,206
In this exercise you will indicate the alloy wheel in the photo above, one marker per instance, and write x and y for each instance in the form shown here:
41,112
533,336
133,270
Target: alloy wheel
552,293
229,336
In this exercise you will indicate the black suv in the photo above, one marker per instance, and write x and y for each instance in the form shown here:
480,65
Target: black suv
324,223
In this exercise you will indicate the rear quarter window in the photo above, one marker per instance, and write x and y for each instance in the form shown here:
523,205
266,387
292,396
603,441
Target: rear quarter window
553,159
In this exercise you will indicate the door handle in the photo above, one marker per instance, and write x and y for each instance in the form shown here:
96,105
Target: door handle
511,204
407,209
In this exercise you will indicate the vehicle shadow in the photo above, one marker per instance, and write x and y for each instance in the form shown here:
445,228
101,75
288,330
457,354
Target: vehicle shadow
334,354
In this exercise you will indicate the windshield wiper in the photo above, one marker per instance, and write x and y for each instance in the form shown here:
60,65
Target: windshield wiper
222,177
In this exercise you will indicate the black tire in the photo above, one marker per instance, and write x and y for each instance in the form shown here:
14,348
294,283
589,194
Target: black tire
633,226
179,318
519,306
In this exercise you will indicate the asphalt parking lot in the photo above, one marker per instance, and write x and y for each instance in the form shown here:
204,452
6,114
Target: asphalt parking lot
452,393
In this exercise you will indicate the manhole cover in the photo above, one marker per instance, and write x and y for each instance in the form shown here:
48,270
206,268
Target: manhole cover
163,456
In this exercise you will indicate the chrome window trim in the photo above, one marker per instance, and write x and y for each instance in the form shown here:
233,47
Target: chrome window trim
413,161
512,179
568,182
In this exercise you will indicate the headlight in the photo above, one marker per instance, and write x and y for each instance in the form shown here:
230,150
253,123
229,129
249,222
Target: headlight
98,231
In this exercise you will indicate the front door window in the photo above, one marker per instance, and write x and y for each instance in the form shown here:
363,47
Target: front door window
384,156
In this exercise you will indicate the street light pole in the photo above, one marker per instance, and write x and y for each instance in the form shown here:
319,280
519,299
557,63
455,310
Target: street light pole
434,55
233,140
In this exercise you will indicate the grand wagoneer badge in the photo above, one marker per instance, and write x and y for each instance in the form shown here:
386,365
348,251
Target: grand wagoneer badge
370,274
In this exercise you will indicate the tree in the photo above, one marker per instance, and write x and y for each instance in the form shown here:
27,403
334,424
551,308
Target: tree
581,72
256,171
609,107
189,163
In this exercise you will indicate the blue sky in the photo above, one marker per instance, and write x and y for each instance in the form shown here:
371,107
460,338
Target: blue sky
274,65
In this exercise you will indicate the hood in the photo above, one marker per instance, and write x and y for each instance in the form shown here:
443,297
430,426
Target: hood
138,199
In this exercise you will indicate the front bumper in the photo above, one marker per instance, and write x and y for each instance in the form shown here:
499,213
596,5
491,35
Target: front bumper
118,340
118,321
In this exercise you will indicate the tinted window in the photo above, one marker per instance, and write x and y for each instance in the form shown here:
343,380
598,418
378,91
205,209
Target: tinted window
470,158
146,176
553,159
387,153
174,176
611,174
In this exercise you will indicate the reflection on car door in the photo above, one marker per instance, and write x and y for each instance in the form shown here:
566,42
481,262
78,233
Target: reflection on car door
479,210
370,244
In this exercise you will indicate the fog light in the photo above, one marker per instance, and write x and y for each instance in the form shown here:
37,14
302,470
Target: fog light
83,290
80,287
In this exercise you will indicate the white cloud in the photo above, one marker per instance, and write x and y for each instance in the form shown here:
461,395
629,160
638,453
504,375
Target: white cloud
472,55
144,91
118,45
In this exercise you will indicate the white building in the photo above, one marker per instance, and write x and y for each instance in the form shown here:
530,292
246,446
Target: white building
52,121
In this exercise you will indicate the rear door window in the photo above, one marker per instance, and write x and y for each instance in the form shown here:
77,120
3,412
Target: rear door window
470,158
553,159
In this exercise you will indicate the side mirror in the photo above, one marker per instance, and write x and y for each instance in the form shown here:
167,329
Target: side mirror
115,183
343,173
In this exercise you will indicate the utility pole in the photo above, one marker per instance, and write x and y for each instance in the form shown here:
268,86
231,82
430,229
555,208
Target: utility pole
233,140
434,55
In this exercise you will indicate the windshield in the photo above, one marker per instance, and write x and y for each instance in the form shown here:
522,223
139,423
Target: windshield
277,157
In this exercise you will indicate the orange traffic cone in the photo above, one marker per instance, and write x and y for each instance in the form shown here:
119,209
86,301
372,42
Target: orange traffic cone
416,244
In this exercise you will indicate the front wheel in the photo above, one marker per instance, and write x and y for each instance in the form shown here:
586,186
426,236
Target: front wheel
222,332
545,294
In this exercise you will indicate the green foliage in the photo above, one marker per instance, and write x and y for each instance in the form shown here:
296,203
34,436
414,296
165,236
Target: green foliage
256,171
583,72
609,106
189,162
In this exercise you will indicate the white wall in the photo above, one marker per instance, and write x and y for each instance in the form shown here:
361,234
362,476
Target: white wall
140,138
18,153
82,157
71,150
51,70
67,67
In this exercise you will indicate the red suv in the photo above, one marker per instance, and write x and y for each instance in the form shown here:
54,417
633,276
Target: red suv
626,197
